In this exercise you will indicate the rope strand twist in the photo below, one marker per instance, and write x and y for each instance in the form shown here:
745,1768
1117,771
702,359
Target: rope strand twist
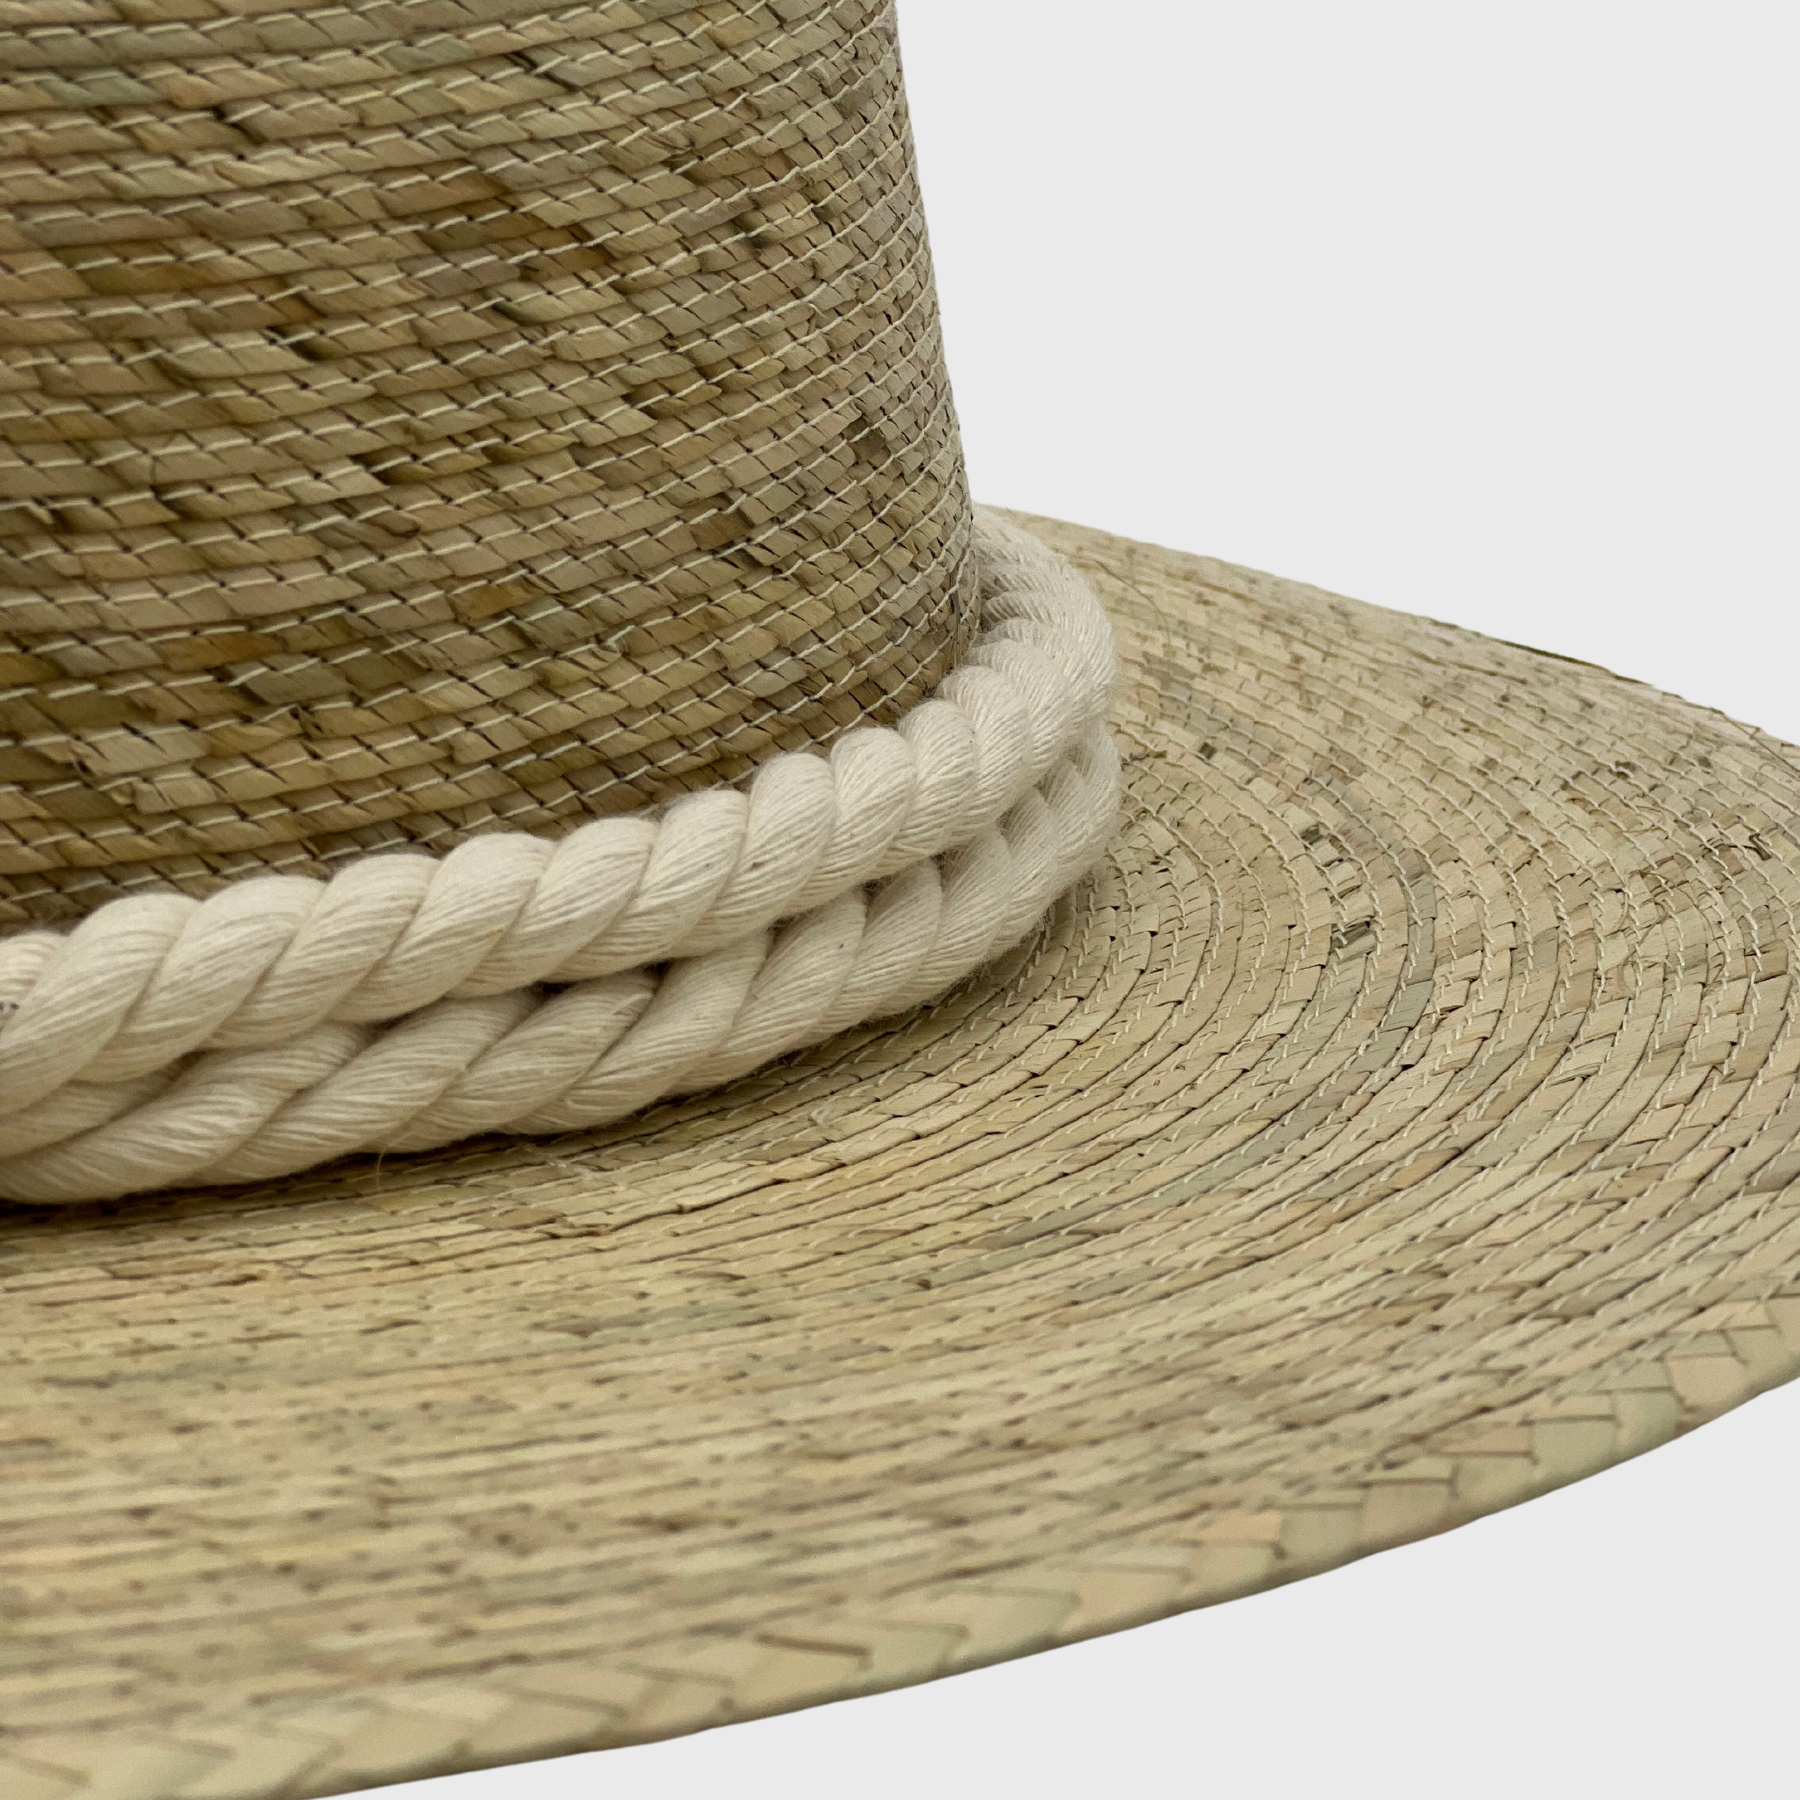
411,1001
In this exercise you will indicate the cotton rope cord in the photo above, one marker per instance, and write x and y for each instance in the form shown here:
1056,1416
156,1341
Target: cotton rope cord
531,1061
253,1033
146,980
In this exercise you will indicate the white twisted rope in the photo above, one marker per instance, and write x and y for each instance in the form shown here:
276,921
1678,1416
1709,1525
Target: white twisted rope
171,1040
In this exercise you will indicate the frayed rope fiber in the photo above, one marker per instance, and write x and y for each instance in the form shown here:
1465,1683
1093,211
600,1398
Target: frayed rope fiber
523,984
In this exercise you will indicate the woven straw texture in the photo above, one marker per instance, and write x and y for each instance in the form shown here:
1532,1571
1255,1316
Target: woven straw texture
424,415
1402,1122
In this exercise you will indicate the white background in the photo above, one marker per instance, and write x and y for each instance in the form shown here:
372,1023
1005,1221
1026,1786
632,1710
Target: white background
1485,311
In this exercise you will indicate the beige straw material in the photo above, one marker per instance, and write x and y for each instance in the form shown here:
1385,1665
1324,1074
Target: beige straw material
1402,1121
424,416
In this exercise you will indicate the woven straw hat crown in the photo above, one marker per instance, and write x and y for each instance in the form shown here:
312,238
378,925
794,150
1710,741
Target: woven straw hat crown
436,415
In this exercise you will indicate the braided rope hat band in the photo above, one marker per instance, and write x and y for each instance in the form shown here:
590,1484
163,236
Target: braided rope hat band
981,807
649,1073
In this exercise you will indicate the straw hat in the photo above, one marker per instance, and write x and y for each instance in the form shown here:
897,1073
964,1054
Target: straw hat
622,1109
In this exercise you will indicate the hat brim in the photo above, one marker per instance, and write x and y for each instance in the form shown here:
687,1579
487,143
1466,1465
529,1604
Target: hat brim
1402,1122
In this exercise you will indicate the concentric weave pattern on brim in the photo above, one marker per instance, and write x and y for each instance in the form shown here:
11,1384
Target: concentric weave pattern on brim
1403,1122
